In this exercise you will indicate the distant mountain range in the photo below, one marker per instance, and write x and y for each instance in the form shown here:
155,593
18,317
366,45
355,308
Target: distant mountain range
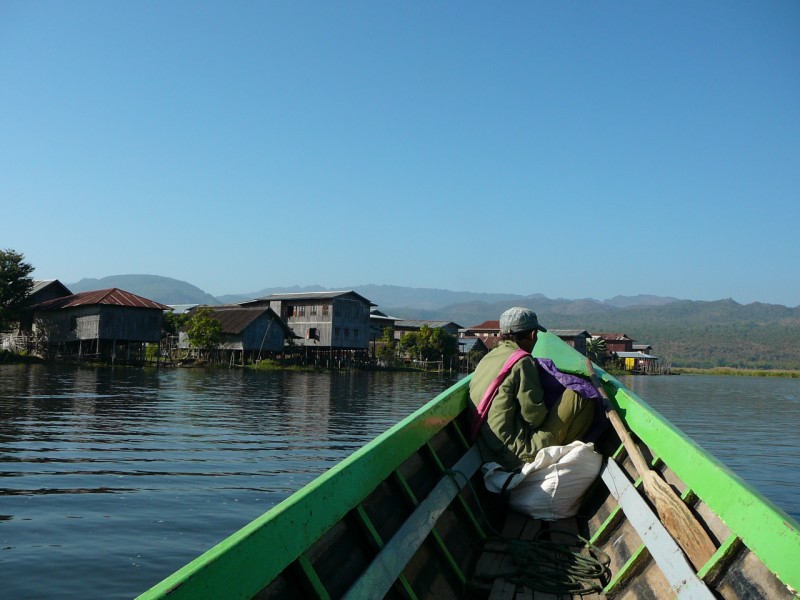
682,332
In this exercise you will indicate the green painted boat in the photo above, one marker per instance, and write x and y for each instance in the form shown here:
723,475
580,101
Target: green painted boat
408,516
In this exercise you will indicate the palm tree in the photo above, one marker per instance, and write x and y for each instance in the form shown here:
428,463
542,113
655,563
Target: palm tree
596,350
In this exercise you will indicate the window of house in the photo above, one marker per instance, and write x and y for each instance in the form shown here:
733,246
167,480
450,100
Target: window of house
313,309
288,311
301,311
347,333
324,310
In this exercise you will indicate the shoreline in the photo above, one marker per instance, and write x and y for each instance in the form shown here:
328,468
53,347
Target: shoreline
7,357
736,371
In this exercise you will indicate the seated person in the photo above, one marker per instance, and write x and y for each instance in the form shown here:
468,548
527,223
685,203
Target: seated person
518,423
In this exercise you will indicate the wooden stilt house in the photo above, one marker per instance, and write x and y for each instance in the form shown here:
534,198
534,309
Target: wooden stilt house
248,333
109,325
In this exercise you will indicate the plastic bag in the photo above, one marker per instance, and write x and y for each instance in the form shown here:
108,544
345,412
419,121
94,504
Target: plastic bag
552,486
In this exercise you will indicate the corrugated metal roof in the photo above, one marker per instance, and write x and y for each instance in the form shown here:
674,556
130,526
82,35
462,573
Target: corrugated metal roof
236,320
374,313
488,325
491,341
635,355
179,309
467,344
617,337
46,289
568,332
419,324
316,296
111,297
39,285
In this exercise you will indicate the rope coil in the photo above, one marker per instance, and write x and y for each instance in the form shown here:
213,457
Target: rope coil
575,567
552,567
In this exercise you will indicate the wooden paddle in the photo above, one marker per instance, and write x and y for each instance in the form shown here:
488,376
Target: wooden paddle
673,512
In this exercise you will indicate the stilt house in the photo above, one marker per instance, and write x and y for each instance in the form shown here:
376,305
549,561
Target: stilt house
334,322
109,325
248,333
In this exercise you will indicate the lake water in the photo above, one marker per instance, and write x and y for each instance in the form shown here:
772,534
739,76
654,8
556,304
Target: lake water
114,478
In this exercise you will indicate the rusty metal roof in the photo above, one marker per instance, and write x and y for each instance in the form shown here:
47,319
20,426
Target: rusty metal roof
491,341
235,319
110,297
486,325
612,337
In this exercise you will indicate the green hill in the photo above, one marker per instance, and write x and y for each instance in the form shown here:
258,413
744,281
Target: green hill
683,333
161,289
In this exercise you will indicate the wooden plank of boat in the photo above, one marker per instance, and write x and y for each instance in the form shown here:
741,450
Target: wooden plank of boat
387,566
390,521
681,524
660,544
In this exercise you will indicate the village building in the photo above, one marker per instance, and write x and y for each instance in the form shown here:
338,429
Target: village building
615,342
20,338
484,330
248,333
576,338
630,356
336,323
470,351
467,345
637,362
489,333
109,325
47,289
380,322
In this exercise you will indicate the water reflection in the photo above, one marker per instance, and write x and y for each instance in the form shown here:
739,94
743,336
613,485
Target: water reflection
115,477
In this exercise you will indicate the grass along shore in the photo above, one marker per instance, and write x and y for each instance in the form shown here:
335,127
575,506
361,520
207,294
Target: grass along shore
739,372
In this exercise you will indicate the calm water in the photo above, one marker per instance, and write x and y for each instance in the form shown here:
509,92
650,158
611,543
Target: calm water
752,424
113,478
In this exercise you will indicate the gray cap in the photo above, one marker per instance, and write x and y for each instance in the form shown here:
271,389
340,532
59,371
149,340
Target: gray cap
518,319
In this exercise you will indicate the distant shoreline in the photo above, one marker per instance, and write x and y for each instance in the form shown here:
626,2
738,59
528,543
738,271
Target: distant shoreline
738,372
7,357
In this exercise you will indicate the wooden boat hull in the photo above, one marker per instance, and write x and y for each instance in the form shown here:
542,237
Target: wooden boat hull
407,516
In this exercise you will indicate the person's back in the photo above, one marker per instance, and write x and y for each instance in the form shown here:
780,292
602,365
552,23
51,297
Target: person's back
518,424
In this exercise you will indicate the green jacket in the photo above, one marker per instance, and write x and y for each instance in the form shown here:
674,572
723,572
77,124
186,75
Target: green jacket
518,408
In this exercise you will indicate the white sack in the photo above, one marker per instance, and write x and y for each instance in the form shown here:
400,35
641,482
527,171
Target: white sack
550,487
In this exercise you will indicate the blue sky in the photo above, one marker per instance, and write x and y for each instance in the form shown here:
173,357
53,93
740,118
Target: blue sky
572,149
